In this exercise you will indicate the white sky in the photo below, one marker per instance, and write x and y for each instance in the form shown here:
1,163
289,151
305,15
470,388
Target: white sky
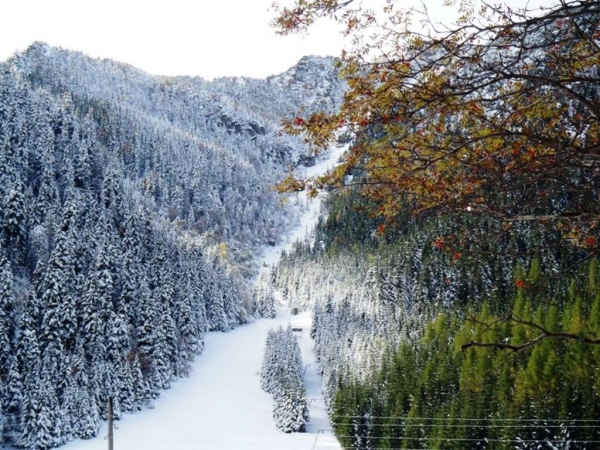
176,37
209,38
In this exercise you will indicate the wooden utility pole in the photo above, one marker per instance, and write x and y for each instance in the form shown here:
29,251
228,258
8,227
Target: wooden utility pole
110,423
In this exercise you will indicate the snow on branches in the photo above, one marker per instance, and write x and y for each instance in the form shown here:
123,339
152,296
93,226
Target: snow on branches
497,115
281,376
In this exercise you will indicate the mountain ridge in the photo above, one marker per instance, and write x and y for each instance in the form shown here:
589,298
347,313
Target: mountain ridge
132,208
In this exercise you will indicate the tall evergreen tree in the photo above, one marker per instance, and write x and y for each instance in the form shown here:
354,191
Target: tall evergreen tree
281,376
265,302
7,310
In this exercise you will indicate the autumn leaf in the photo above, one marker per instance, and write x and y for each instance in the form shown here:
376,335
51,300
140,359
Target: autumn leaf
466,121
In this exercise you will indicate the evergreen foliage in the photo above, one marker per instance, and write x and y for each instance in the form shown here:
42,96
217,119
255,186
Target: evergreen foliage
281,376
431,394
393,309
130,209
265,302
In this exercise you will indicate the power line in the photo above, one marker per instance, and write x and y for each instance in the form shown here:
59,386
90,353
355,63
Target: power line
442,425
362,447
439,438
468,419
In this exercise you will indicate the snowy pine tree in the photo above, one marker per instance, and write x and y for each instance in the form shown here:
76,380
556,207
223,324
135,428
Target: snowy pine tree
7,305
109,221
281,376
290,410
265,302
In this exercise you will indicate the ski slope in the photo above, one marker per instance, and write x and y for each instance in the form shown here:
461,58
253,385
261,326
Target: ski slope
221,406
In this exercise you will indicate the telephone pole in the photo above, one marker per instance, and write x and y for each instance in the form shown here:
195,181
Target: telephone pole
110,423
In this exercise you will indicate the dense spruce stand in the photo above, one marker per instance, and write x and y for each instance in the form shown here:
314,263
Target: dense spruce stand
281,376
131,208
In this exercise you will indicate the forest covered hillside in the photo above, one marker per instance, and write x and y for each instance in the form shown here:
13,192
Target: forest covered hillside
453,276
392,312
132,208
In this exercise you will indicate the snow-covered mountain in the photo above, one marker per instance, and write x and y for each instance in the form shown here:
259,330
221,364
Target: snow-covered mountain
209,136
132,208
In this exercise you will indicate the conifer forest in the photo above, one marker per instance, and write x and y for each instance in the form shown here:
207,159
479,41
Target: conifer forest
132,208
453,275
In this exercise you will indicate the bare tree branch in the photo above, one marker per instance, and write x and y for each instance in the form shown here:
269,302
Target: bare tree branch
545,334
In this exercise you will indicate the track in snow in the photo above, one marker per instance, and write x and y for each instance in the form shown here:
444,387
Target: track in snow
220,406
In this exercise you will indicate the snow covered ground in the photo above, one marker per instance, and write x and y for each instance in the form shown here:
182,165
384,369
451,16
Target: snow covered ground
311,213
221,406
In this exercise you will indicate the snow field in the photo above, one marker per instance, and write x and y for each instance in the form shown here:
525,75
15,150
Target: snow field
221,406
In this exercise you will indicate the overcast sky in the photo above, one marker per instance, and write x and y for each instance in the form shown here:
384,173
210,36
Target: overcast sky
176,37
209,38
